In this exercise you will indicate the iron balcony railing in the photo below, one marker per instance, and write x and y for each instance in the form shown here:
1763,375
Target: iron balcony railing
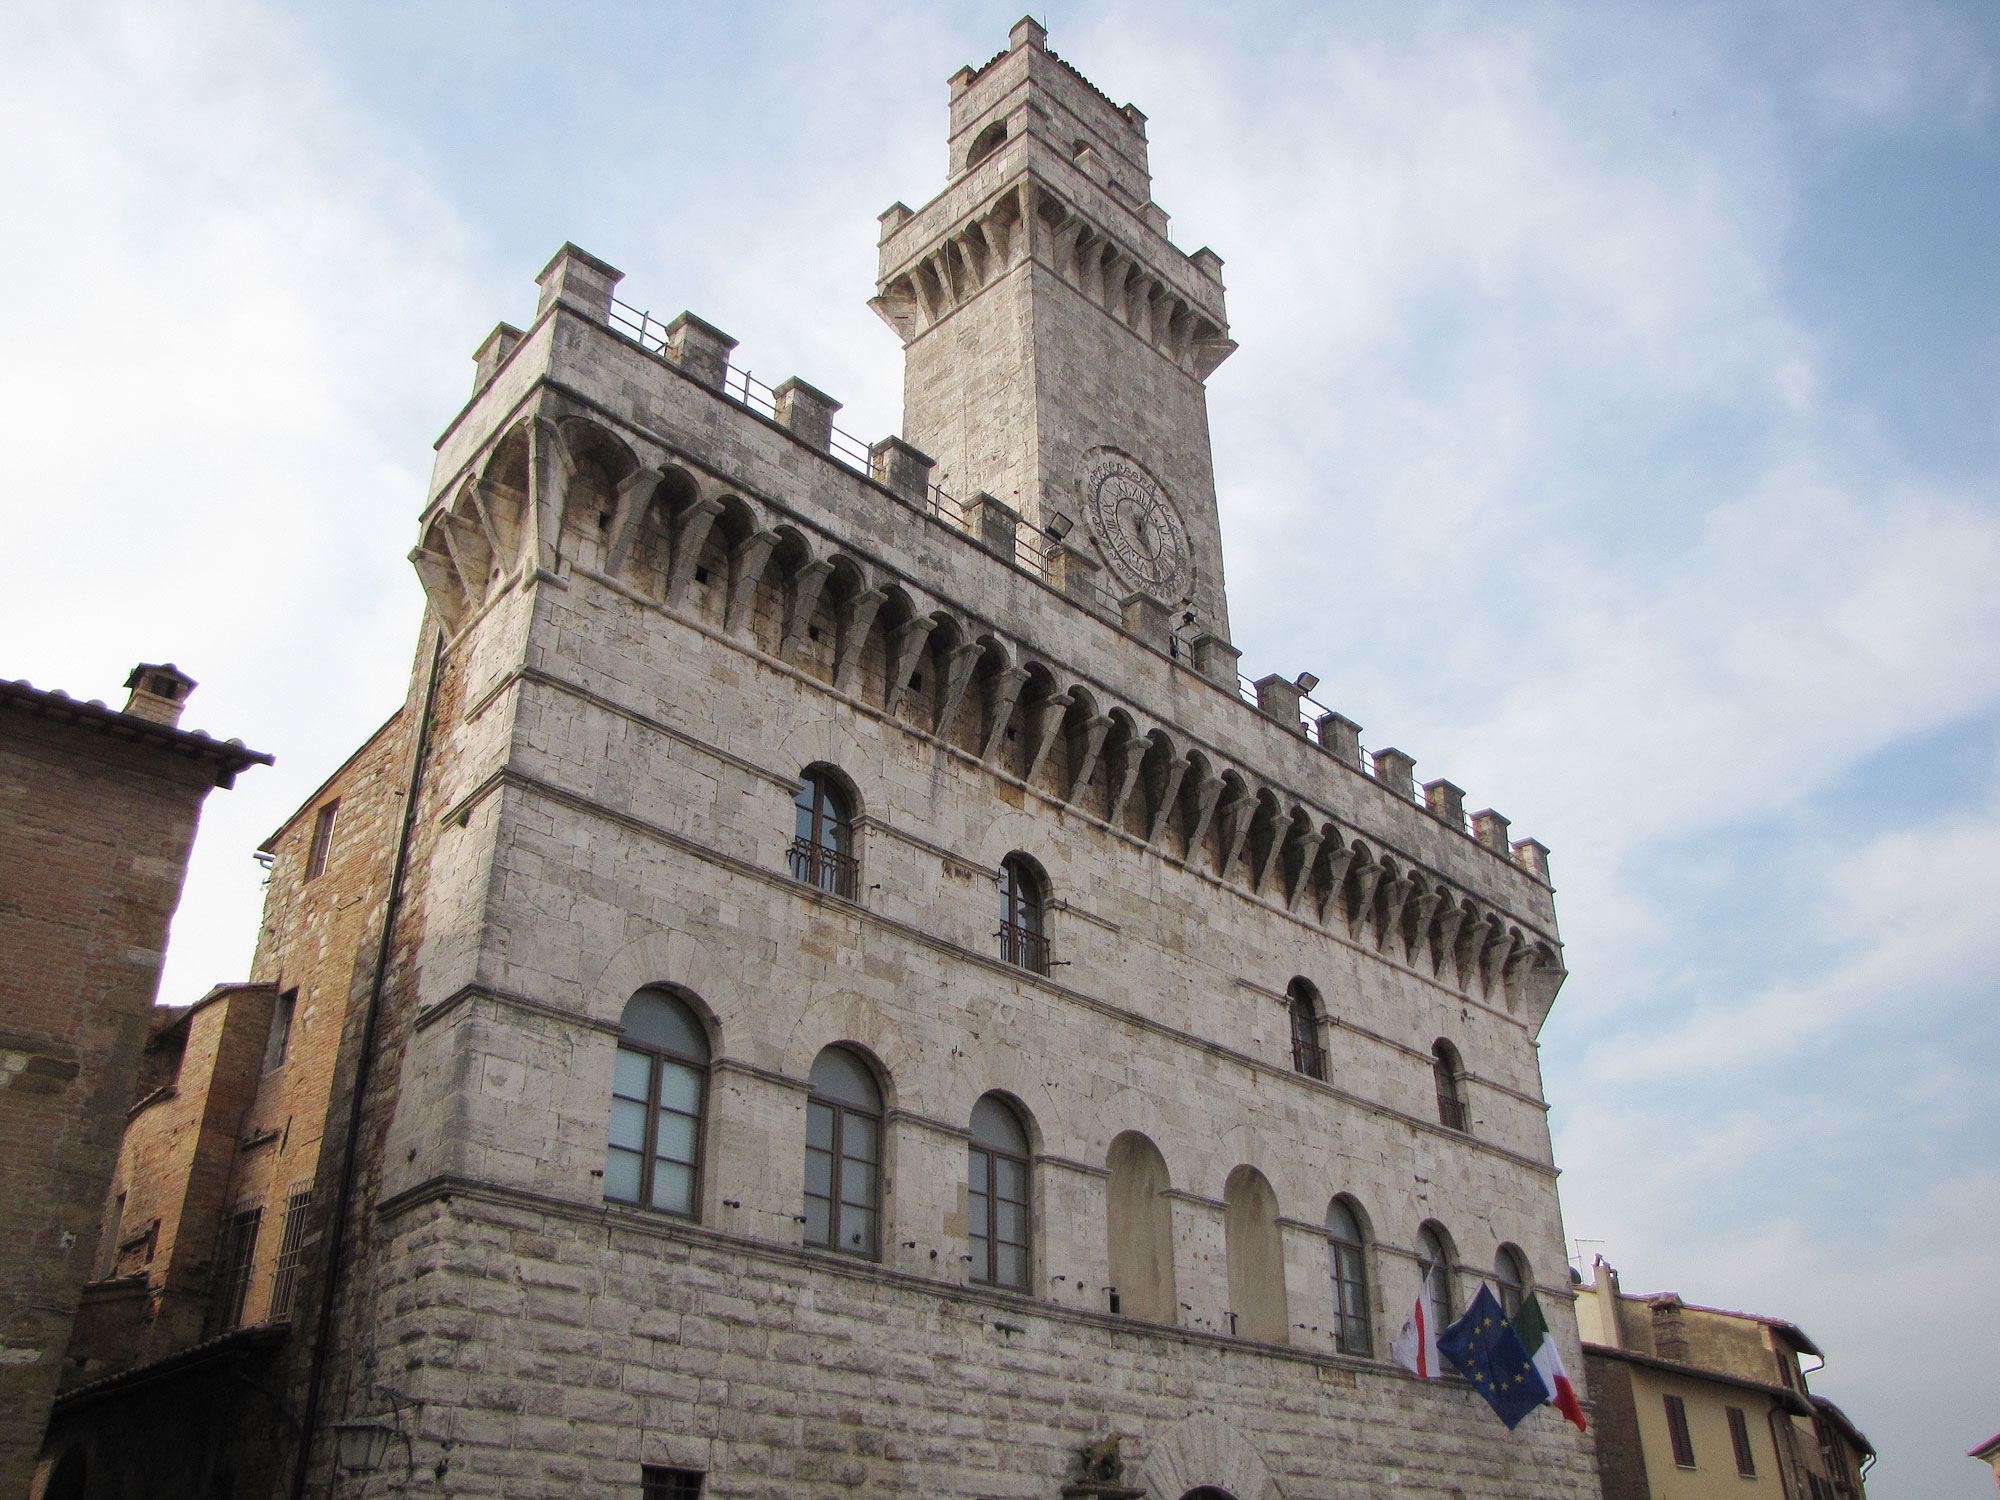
1453,1113
829,869
1309,1058
1024,949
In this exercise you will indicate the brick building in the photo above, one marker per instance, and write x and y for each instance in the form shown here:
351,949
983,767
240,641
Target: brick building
98,809
832,983
1695,1401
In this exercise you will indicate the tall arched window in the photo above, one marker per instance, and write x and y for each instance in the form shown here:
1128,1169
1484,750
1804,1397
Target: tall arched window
1348,1254
989,140
654,1155
1434,1266
823,834
1450,1076
1510,1271
1023,903
843,1154
1307,1056
997,1195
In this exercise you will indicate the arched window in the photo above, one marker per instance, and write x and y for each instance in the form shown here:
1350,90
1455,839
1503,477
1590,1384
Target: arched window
997,1195
989,140
823,834
1510,1271
1434,1267
654,1155
1307,1056
1348,1254
1140,1224
1023,901
1256,1255
843,1154
1450,1077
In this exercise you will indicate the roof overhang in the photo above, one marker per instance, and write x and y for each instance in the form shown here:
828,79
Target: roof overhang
1790,1400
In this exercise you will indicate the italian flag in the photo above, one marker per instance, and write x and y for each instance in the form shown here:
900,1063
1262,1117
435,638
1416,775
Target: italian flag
1532,1329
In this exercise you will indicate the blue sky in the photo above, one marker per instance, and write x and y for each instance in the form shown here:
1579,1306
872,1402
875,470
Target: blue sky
1614,430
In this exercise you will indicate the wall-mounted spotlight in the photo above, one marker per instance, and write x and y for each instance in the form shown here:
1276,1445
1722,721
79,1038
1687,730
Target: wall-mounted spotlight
1059,526
1306,682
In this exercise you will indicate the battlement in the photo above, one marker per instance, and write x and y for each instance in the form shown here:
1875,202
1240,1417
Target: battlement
673,513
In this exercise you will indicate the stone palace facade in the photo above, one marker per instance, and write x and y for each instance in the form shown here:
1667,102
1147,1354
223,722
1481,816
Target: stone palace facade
850,992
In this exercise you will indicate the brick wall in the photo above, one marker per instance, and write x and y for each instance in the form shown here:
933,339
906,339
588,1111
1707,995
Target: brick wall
94,839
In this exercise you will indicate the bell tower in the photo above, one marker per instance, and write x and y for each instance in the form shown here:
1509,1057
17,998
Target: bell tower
1056,343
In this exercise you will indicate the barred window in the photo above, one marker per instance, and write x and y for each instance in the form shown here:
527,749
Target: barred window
653,1157
291,1250
239,1254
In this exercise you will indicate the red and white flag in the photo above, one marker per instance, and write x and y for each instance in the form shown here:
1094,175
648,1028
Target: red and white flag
1416,1347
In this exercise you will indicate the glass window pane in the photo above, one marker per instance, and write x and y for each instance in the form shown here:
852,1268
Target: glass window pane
979,1259
819,1126
816,1221
1010,1224
1012,1266
975,1175
628,1124
1340,1223
1010,1179
673,1187
633,1073
621,1175
839,1075
676,1137
857,1138
802,821
857,1183
680,1088
819,1173
660,1020
857,1230
978,1213
995,1125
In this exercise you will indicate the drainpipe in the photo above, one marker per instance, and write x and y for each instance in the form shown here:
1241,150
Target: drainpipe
350,1159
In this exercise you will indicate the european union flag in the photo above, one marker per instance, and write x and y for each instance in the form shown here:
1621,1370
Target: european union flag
1489,1355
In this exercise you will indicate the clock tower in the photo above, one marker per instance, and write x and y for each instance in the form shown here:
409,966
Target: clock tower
1056,342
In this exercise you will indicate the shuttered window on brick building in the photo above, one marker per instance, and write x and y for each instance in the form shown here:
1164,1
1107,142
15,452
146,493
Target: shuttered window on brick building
1739,1435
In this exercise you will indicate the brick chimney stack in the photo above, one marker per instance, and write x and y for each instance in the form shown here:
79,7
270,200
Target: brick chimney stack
159,692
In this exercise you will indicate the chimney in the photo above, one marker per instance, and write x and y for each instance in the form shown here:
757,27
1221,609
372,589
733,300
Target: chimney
159,692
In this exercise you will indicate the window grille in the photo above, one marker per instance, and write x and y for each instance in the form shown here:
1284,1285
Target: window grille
1450,1093
238,1256
291,1250
1677,1430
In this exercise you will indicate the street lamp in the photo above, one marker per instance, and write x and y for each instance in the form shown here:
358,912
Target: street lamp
360,1447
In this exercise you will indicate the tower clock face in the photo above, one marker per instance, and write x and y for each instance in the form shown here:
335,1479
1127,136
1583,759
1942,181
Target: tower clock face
1142,535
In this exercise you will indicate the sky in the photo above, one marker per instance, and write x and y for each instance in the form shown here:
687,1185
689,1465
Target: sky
1614,430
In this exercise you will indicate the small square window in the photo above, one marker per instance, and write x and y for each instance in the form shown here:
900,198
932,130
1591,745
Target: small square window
672,1484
